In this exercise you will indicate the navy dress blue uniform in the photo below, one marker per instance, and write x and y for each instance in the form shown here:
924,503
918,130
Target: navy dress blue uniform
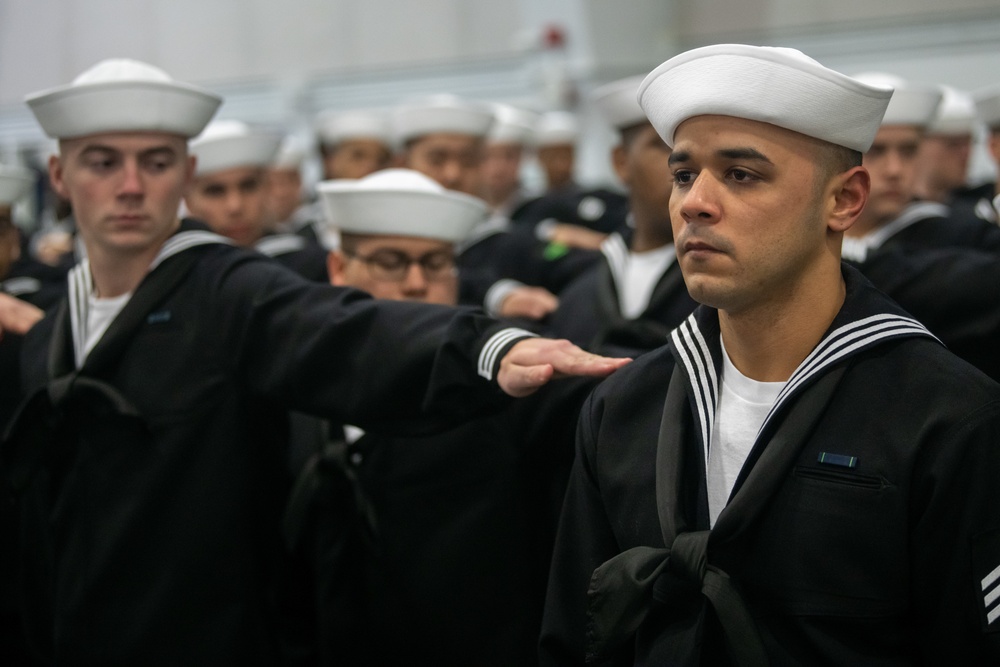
862,529
152,478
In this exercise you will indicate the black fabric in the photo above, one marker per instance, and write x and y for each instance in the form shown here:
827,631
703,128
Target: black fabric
954,292
589,313
447,554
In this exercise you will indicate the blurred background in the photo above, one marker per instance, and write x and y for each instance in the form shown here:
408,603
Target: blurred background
282,63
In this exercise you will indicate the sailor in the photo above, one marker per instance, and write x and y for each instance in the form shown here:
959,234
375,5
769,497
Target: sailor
353,143
943,158
506,143
635,295
556,135
760,491
442,136
230,195
147,458
286,210
893,216
455,528
988,109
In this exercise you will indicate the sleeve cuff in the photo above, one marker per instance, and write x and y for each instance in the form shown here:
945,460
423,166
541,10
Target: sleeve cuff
495,295
490,355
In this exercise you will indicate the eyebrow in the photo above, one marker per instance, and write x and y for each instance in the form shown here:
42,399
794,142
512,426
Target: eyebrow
679,157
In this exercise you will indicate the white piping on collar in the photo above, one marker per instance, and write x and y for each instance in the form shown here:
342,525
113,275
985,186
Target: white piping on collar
279,244
835,346
81,283
857,249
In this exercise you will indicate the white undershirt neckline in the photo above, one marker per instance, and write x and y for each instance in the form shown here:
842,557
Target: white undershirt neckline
744,404
640,274
100,314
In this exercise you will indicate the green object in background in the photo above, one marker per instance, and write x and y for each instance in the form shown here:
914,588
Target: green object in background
554,251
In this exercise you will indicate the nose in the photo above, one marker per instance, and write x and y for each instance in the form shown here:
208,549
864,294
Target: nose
415,283
698,201
451,174
131,184
234,202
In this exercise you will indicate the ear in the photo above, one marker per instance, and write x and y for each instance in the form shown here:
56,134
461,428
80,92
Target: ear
56,176
848,196
619,160
335,267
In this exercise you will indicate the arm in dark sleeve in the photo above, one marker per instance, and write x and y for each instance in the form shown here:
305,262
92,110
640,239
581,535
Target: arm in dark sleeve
338,353
585,540
956,544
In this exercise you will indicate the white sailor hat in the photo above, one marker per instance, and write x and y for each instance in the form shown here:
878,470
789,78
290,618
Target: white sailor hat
226,144
956,115
122,95
910,104
333,126
780,86
555,128
14,183
617,101
291,153
988,105
400,202
512,125
440,114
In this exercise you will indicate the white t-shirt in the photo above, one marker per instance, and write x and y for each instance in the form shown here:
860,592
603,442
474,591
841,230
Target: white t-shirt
743,406
639,276
100,314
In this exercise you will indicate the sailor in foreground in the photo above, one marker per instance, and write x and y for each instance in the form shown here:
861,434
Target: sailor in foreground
457,525
635,296
148,457
893,216
804,475
229,194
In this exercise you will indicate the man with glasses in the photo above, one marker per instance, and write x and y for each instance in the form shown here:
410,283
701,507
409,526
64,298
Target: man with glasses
454,528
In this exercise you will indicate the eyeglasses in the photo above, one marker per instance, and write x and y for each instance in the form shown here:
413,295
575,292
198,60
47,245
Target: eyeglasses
393,265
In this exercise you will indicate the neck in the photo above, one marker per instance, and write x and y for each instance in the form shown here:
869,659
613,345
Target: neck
768,342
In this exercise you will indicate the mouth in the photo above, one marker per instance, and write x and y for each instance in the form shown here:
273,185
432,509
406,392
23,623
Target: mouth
698,247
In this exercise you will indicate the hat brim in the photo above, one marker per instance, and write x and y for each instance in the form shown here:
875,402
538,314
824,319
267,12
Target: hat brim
255,150
444,216
123,106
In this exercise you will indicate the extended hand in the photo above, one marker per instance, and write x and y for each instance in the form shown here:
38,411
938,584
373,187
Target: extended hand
17,316
534,361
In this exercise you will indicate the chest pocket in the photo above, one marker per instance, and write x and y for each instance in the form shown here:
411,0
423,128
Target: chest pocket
832,543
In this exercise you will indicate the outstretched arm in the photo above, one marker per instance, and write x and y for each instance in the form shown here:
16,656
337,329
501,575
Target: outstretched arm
17,316
532,362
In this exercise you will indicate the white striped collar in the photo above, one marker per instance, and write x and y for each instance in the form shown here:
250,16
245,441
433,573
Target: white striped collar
615,251
81,282
276,245
858,326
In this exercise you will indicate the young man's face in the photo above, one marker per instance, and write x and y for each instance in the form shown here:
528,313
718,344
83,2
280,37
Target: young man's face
892,163
642,163
231,202
389,267
946,159
746,210
125,188
557,162
284,188
502,168
354,158
453,160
